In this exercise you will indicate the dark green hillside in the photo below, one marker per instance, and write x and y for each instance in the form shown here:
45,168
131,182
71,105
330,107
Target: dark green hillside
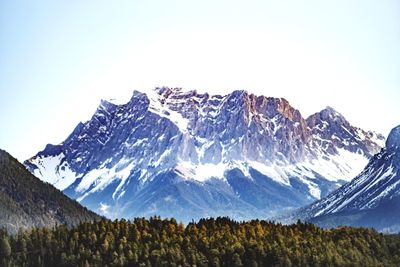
210,242
26,201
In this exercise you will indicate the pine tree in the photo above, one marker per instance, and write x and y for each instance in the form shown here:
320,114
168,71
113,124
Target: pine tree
5,248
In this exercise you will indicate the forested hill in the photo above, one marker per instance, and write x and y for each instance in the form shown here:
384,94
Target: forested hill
210,242
26,201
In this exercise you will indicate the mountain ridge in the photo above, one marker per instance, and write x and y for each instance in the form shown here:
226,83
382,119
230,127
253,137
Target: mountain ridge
183,137
25,201
372,199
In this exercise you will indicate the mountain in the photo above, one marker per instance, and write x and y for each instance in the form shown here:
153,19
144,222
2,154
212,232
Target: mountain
372,199
189,155
25,201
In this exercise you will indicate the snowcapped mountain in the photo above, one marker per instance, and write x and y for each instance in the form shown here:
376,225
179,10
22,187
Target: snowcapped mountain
372,199
180,153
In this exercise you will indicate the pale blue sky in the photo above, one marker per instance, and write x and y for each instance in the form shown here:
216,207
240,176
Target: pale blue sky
59,58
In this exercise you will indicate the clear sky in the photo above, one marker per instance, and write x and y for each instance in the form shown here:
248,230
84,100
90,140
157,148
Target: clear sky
59,58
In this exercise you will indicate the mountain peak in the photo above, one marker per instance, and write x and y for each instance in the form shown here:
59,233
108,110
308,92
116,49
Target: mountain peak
239,92
327,115
166,91
330,113
393,140
126,151
106,104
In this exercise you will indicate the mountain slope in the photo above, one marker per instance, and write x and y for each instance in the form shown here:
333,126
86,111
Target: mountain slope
191,155
25,201
372,199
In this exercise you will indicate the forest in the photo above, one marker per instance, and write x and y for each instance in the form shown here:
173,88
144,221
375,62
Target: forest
26,201
208,242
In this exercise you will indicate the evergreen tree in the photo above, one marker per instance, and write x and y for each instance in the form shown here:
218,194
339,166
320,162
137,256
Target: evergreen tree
5,249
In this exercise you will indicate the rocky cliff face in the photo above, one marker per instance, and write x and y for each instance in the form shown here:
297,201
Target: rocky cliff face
372,199
184,154
332,131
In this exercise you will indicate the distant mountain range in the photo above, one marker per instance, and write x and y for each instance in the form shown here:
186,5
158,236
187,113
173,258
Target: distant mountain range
372,199
26,201
179,153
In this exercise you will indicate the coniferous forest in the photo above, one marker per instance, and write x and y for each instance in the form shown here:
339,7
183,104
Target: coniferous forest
209,242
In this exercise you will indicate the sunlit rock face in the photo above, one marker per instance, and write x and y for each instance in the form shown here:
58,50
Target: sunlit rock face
184,154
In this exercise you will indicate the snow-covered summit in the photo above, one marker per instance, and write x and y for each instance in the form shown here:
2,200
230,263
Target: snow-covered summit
236,154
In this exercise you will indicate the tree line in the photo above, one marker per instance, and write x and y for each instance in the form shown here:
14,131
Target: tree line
208,242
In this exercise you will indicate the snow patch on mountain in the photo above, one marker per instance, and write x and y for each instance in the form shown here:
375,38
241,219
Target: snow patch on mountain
275,172
201,172
343,166
54,170
157,105
98,179
247,153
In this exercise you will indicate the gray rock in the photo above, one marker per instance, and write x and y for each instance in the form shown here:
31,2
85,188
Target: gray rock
116,158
